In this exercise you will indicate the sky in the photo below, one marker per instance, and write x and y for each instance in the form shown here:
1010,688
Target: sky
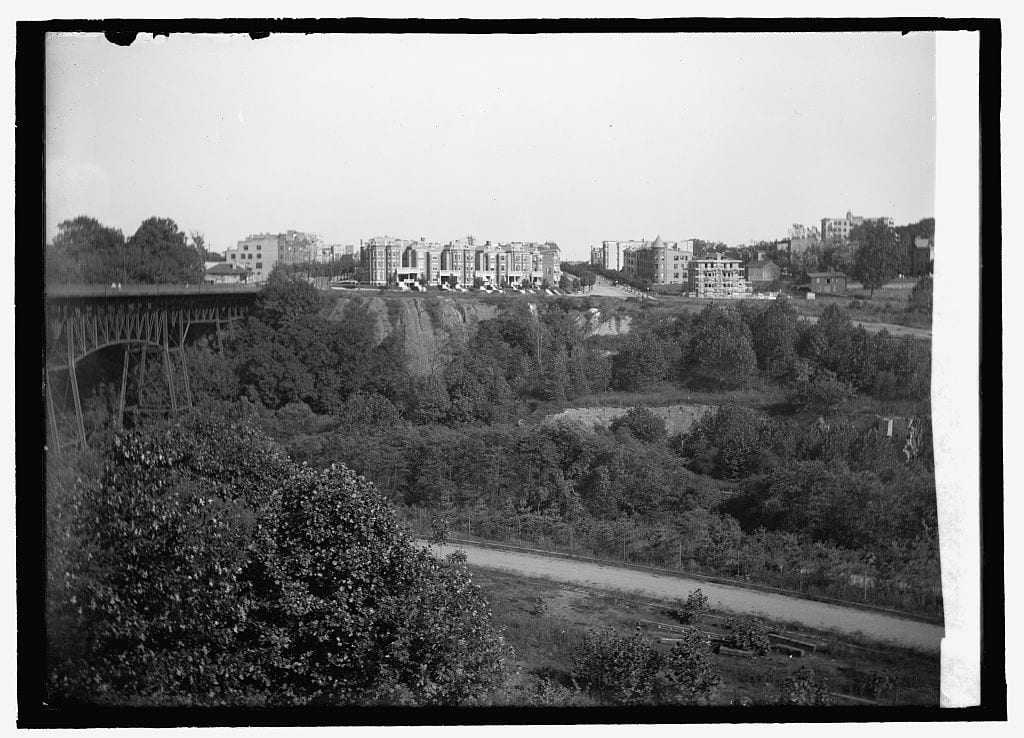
570,138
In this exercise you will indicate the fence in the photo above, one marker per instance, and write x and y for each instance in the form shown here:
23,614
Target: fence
619,541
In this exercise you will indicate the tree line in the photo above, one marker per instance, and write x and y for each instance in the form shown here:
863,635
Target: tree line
86,252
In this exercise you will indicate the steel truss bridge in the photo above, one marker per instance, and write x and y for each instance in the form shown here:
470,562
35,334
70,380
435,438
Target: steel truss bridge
151,323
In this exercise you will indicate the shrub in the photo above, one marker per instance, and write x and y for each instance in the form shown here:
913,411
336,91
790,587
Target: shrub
696,604
878,684
205,568
642,422
748,634
620,668
802,688
690,672
821,392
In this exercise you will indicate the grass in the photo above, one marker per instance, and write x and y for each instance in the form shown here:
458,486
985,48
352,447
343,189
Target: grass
544,645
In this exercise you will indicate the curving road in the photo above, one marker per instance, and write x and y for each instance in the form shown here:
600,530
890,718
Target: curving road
875,626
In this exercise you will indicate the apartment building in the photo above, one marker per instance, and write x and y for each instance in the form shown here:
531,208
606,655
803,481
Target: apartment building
840,228
385,259
718,277
658,262
258,253
262,251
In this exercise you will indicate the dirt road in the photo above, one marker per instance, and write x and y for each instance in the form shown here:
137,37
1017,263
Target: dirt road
875,626
899,331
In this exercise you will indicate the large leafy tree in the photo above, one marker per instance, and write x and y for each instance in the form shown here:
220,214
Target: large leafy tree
721,349
287,352
205,568
158,252
86,251
879,257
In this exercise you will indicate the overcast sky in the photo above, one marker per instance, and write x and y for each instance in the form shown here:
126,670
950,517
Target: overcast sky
571,138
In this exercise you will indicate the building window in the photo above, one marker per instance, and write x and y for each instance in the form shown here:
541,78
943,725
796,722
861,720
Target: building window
259,264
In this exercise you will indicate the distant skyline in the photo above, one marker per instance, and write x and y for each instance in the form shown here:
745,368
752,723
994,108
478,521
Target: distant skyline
569,138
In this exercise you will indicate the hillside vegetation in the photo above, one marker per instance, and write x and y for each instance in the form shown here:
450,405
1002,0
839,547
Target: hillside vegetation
782,480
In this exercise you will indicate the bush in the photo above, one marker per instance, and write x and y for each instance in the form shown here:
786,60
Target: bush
802,688
748,634
204,568
878,684
690,672
822,392
642,422
620,668
696,604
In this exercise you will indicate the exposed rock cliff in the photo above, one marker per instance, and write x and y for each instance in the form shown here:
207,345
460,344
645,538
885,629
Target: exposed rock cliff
429,325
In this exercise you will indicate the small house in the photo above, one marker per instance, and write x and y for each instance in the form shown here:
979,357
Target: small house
224,273
825,282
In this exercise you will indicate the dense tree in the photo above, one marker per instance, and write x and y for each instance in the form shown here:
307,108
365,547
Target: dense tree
774,334
879,256
721,349
726,442
158,252
642,422
205,568
85,251
641,364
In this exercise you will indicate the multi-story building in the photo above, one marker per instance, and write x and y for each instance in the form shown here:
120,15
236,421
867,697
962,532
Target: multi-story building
597,255
258,253
385,260
922,256
262,251
658,262
840,228
328,252
297,247
613,253
718,277
550,258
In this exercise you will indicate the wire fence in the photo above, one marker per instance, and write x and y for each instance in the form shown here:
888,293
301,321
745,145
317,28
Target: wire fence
845,581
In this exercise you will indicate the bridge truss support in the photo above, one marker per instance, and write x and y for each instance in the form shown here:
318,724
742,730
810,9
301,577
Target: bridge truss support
154,377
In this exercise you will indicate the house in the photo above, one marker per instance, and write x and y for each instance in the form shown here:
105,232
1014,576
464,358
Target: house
762,271
922,257
223,272
823,282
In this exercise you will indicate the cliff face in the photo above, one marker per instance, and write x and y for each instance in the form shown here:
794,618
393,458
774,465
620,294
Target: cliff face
429,325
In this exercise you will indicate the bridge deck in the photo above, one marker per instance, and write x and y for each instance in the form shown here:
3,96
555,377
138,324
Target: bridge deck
71,291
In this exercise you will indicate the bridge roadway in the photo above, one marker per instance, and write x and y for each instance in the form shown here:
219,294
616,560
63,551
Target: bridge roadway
72,291
873,625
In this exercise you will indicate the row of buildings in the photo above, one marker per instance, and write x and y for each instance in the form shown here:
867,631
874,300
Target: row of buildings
673,262
260,253
385,260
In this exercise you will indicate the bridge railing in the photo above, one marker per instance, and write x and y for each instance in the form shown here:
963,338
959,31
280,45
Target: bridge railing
142,290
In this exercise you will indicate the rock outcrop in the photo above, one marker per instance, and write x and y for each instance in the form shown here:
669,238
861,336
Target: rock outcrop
430,326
